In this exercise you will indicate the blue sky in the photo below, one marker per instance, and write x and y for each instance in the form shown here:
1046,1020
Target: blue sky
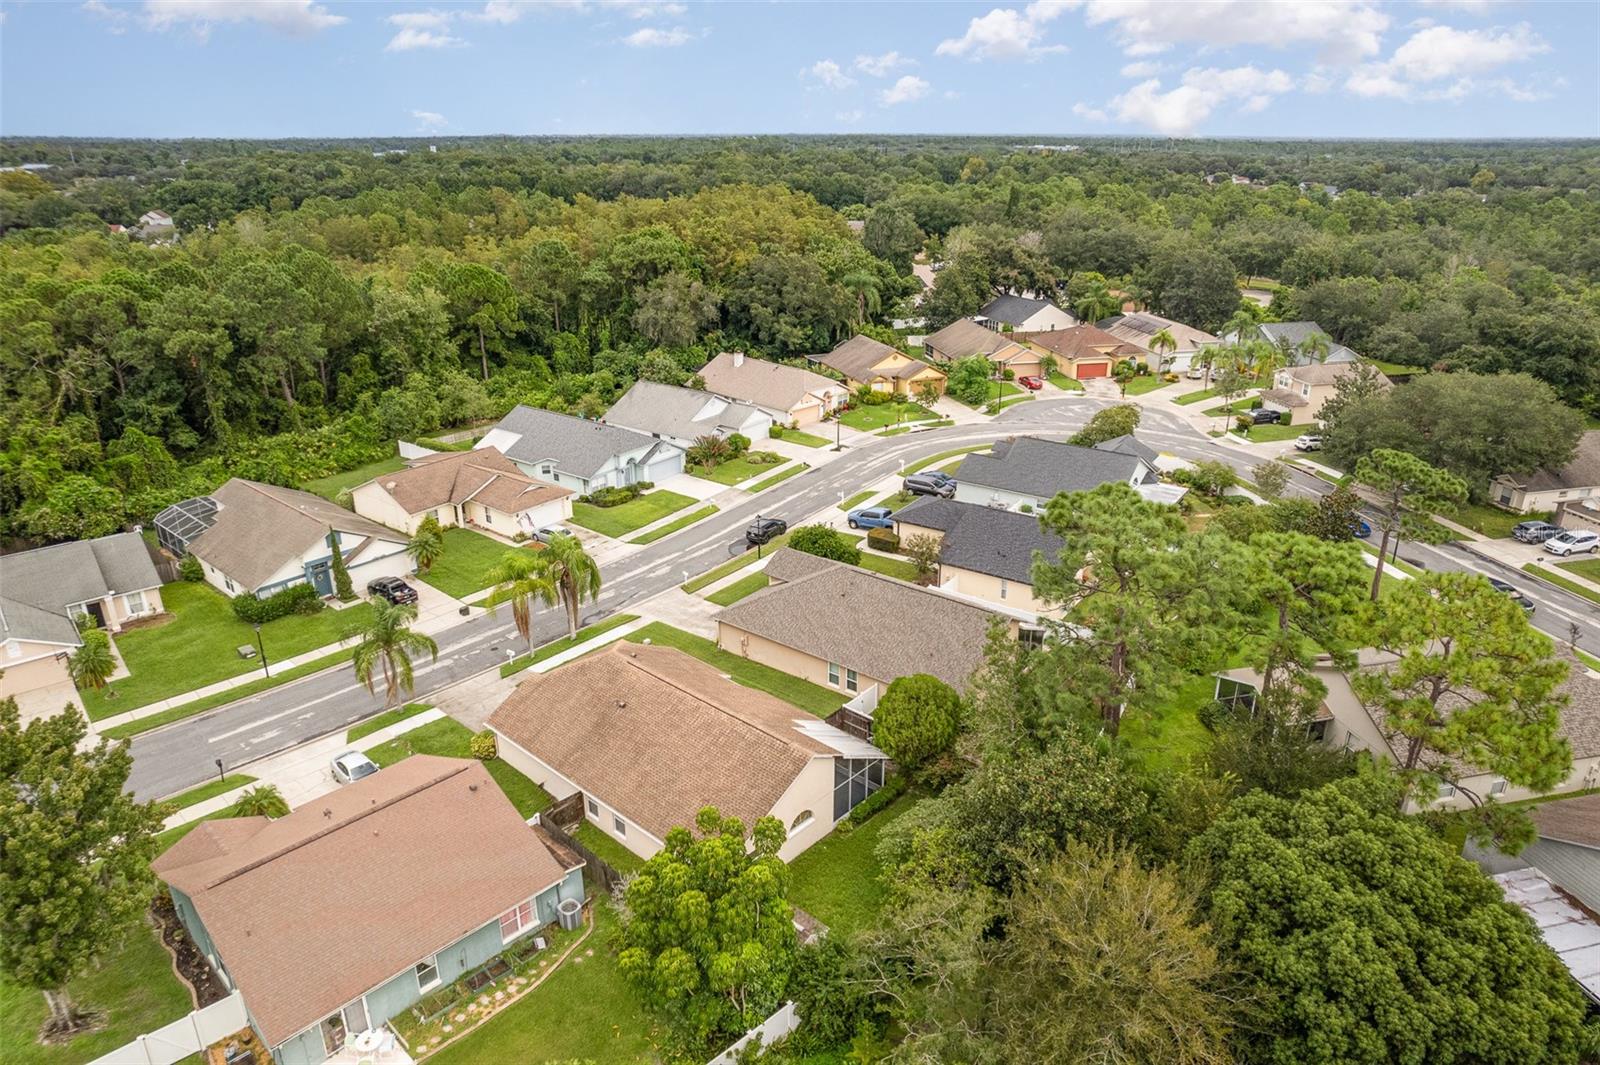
275,68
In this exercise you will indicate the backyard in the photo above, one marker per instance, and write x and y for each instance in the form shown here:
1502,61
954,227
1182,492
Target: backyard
733,471
467,557
1163,740
330,487
812,698
836,879
870,418
1492,521
634,514
449,738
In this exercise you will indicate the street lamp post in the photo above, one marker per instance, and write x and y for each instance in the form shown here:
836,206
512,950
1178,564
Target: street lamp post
261,649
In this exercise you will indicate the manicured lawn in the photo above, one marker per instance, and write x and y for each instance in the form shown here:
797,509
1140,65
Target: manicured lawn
868,419
1195,397
198,645
1162,740
449,738
384,720
330,487
1562,582
1492,521
467,557
1013,402
749,558
634,514
674,525
185,799
856,500
812,698
739,589
897,568
795,436
1588,568
1589,660
133,986
1147,383
1261,434
1063,382
607,849
584,1011
896,499
1395,369
740,469
1238,406
778,478
836,879
240,691
922,464
550,650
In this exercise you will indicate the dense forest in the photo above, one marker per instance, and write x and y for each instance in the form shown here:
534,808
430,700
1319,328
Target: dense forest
320,299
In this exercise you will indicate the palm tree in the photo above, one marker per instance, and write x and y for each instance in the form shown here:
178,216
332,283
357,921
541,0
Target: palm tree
1097,304
1242,326
388,642
519,579
92,664
263,800
1163,344
1316,347
426,545
867,289
575,575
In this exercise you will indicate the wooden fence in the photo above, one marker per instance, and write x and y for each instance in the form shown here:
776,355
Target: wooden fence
603,874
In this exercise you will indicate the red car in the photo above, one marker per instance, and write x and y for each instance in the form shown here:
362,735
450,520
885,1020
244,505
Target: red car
1032,384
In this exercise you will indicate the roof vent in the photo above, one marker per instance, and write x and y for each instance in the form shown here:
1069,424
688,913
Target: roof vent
327,811
470,787
621,704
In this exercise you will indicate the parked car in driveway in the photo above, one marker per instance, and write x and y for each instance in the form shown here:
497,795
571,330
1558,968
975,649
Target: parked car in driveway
1265,416
1032,384
764,530
1516,597
393,590
1534,532
545,532
1572,542
1308,442
351,766
871,518
929,483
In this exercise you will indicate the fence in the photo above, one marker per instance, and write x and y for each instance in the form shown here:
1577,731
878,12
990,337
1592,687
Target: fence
181,1038
768,1031
608,878
566,813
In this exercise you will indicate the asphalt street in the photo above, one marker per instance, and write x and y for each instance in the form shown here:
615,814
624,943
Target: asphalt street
185,753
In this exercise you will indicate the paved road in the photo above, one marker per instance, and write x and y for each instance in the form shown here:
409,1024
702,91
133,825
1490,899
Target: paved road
180,755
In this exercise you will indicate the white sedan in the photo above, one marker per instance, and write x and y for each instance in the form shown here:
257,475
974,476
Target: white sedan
351,766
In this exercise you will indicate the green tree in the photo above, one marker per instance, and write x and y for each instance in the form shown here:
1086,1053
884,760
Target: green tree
75,853
1094,302
482,306
567,567
1271,478
387,645
263,800
673,310
825,542
1195,285
968,380
520,580
1124,374
1108,423
341,573
923,552
1163,344
426,545
868,291
892,235
92,664
1313,592
1408,490
916,719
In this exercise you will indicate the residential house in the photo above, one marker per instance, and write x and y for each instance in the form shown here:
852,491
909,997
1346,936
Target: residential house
42,594
651,735
1140,329
1292,337
868,363
481,489
964,338
984,553
339,916
681,416
1027,472
260,538
853,630
1025,314
792,396
1083,351
1543,490
1299,392
156,220
580,454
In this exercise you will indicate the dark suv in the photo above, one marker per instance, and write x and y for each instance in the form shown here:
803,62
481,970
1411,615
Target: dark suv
392,589
930,483
1265,416
765,530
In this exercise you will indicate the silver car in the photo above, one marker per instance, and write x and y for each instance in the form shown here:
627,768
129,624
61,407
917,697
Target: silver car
351,766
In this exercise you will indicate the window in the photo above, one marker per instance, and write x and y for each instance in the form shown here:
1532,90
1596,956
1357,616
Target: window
1446,789
851,683
619,824
801,823
488,516
428,973
1318,730
1004,584
1497,788
594,807
228,583
1235,694
333,1034
133,602
833,674
1305,390
515,922
546,470
1030,637
853,780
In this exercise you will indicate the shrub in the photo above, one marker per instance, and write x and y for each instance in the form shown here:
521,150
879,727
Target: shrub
738,443
824,542
892,789
1242,423
923,551
615,495
709,450
1026,508
519,537
483,746
916,719
776,432
296,599
883,540
191,570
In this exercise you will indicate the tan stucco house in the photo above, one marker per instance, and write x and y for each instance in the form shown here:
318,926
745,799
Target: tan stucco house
868,363
1542,490
479,489
984,553
1140,328
791,395
1084,351
1300,391
964,338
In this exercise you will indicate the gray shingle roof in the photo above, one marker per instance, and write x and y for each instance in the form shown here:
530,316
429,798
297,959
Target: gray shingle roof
36,587
858,357
1013,310
1582,472
578,446
1295,333
1128,444
766,384
1031,466
1000,543
964,337
671,411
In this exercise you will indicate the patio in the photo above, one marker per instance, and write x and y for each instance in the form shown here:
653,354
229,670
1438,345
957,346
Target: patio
394,1053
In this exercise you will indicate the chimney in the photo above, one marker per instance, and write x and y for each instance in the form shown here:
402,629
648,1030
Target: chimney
738,359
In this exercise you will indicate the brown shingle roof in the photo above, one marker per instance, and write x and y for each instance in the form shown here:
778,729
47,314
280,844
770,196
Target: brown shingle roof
1570,820
1082,342
964,337
1323,373
766,384
1284,397
658,734
313,909
858,359
484,476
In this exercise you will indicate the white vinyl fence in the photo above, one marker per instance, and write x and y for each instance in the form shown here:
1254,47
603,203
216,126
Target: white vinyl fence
189,1035
768,1031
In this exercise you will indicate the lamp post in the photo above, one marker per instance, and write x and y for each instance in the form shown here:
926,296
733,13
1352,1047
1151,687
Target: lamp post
262,650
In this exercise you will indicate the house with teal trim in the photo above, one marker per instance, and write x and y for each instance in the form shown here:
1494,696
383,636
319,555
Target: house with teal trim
337,917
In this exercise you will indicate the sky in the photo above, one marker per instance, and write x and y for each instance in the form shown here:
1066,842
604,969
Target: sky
1240,68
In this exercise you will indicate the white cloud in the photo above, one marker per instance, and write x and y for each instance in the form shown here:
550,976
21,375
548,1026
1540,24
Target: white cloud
1345,30
422,20
298,18
1472,7
428,121
651,37
1093,114
1176,112
881,66
904,91
1438,54
830,74
503,12
1006,33
646,9
411,38
116,20
1142,69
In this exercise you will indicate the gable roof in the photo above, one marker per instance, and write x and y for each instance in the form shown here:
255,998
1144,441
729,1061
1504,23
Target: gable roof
1322,373
858,359
827,611
483,476
1014,310
1129,444
1031,466
684,413
37,587
964,337
1000,543
1296,333
658,735
313,909
1137,329
576,446
1582,472
1575,821
766,384
1082,342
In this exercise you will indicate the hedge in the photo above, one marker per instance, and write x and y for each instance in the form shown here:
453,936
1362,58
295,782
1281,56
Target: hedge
296,599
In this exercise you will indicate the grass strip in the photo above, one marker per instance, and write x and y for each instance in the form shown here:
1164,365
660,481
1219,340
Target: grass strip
449,738
750,557
740,588
624,518
1559,581
897,568
566,643
777,477
607,849
211,702
185,799
923,464
673,526
812,698
856,500
795,436
384,720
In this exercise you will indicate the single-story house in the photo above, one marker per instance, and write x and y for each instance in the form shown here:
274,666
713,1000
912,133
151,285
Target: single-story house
1292,335
681,416
1025,314
1299,392
650,735
481,488
792,396
1140,327
339,916
42,594
1544,490
851,629
964,338
984,553
580,454
868,363
1083,351
260,538
1029,472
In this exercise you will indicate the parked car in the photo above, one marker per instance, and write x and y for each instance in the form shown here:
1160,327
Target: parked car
1360,528
1572,542
1308,442
1266,416
351,766
545,532
765,530
1032,384
871,518
1534,532
393,590
929,483
1196,373
1516,597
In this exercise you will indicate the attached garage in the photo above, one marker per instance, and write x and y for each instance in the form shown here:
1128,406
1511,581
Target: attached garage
665,464
1086,369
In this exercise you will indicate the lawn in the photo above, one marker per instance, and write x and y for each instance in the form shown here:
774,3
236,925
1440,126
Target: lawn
674,525
555,647
1238,406
133,985
1063,382
634,514
922,464
836,879
740,469
869,419
240,691
467,557
749,558
1262,434
1006,388
185,799
896,499
1147,383
384,720
1164,739
897,568
778,478
1560,581
795,436
330,487
607,849
1588,568
739,589
812,698
197,645
449,738
856,500
1195,397
1396,369
584,1011
1492,521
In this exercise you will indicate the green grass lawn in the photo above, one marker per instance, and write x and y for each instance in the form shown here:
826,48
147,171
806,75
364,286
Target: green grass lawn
1162,740
198,645
467,557
1262,434
584,1011
330,487
555,647
1238,406
1063,382
634,514
133,986
1562,582
897,568
740,469
896,499
1588,568
185,799
778,478
749,558
836,879
1147,383
240,691
674,525
607,849
739,589
1395,369
922,464
795,436
869,419
449,738
384,720
856,500
812,698
1492,521
1199,396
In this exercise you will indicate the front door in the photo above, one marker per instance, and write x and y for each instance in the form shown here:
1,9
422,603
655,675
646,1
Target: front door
320,574
97,611
333,1033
